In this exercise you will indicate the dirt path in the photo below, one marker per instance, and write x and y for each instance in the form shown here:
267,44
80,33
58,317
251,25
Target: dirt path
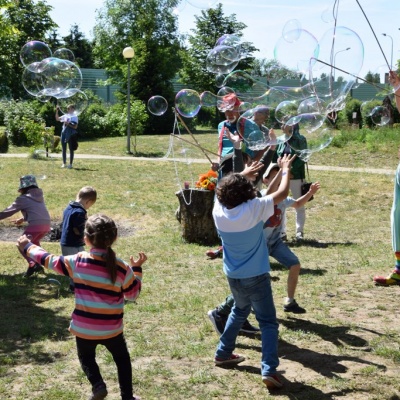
205,161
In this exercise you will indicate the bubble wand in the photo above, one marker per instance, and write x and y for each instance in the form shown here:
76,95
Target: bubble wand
191,134
193,144
387,63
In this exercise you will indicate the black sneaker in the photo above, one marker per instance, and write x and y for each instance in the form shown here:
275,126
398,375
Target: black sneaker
99,392
37,268
247,327
294,308
218,321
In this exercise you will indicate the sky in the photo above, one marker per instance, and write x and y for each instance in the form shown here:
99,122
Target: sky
267,20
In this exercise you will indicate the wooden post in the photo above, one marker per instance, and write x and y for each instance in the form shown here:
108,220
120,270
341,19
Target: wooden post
195,216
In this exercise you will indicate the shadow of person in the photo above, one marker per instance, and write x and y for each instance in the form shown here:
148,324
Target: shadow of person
338,335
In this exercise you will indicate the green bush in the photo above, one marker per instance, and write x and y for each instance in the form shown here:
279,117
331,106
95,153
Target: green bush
24,125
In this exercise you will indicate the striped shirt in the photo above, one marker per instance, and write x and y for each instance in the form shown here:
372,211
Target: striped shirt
99,303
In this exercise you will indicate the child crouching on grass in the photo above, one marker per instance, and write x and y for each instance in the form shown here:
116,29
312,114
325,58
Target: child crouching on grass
102,283
31,204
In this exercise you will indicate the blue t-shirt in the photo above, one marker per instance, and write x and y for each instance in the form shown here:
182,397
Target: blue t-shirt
227,146
245,252
74,216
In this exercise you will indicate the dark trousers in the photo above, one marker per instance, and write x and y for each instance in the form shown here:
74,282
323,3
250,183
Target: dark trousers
118,349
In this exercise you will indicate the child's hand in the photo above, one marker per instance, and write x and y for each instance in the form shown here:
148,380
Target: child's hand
251,170
22,242
138,263
314,187
287,160
19,221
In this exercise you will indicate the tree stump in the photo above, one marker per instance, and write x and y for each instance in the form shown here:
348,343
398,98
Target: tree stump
195,216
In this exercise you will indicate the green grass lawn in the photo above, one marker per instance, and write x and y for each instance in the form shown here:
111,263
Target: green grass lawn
346,346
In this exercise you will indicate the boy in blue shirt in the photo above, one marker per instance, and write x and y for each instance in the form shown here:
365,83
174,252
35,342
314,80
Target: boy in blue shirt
73,225
239,217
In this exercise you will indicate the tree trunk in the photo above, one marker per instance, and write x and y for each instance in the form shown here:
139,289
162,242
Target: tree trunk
195,216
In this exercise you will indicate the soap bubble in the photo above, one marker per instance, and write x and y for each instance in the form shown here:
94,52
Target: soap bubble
34,51
64,54
75,97
380,115
296,55
286,110
157,105
222,59
292,30
202,4
187,103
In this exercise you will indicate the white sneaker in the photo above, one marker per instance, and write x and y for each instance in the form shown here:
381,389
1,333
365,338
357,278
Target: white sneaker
299,236
63,166
69,166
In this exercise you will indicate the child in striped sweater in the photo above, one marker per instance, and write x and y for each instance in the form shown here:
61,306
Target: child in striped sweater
102,283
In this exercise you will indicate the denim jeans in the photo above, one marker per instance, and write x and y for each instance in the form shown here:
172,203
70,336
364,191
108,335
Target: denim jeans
253,293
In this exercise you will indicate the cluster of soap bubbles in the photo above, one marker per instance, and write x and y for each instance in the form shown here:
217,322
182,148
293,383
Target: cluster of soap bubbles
327,70
48,75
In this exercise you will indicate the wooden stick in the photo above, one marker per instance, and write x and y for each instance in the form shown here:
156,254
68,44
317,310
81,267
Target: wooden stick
193,144
191,134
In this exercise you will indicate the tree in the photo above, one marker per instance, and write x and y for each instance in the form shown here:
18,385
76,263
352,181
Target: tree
150,27
273,70
372,78
210,26
27,20
80,46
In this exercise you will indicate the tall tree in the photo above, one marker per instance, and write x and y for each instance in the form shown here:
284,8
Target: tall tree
150,27
80,46
28,20
210,26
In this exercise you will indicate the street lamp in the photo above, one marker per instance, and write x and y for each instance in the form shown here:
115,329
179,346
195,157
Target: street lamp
128,54
391,56
334,61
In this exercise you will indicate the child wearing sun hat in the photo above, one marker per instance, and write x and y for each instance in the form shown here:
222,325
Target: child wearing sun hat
33,208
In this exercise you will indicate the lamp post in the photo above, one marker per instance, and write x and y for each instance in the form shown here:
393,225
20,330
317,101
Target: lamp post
128,54
334,61
391,54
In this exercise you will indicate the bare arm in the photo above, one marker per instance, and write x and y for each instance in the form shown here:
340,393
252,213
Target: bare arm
283,189
301,201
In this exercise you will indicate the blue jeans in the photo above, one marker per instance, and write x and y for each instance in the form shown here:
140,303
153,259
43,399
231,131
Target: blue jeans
253,293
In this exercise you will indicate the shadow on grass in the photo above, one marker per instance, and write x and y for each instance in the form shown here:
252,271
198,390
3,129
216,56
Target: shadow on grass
304,271
24,321
337,335
327,365
156,154
316,244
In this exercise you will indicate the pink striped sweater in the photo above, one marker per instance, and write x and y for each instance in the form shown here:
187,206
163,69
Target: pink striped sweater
99,303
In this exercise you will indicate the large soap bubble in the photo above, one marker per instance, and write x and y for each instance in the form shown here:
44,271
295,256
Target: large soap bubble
64,54
316,141
292,30
57,76
286,110
334,73
295,55
222,59
187,103
202,4
380,115
74,97
157,105
34,51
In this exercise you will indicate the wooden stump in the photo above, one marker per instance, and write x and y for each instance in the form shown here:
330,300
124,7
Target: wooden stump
195,216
